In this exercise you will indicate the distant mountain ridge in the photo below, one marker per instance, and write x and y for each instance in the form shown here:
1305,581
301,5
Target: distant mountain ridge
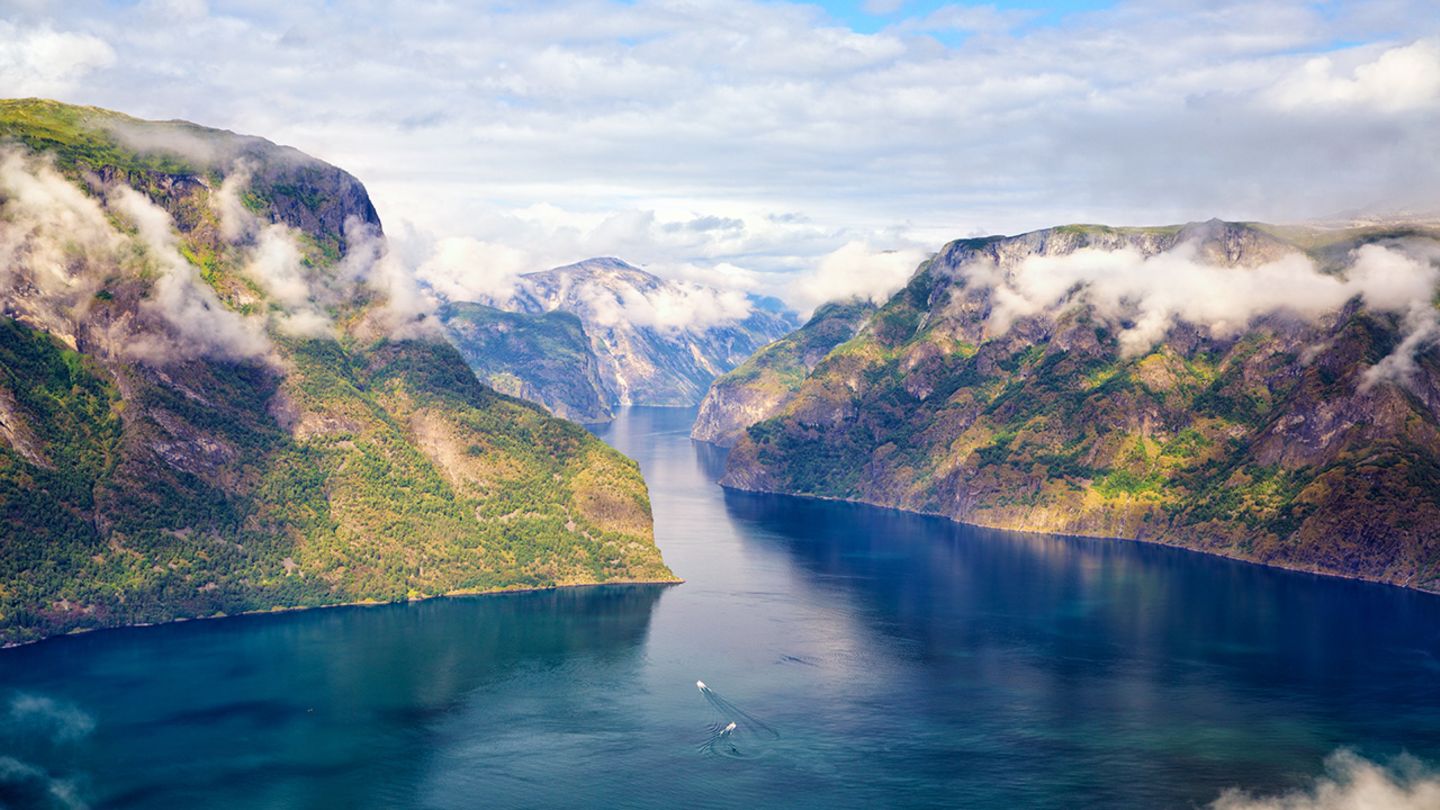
1084,380
652,341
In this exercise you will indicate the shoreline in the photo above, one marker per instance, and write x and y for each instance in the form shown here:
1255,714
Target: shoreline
10,645
1078,536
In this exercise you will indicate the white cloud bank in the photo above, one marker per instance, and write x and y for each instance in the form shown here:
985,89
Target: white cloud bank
40,61
467,269
52,236
60,242
277,265
673,307
405,306
1398,80
274,259
855,270
1147,295
202,323
1350,783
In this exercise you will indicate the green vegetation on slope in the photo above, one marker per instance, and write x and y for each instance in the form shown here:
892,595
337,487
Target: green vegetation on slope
351,467
1265,445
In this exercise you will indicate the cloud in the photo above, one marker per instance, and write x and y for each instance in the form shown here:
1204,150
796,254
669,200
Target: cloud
692,296
1350,782
54,240
673,307
467,269
58,245
405,308
1398,80
1146,295
741,248
1422,332
274,259
1396,282
855,270
276,264
43,62
201,324
722,276
954,17
59,240
236,221
181,9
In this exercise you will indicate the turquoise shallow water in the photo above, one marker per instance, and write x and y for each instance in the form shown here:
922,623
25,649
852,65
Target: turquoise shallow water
867,658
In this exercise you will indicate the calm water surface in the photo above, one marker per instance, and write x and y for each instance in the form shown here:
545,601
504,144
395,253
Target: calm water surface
867,658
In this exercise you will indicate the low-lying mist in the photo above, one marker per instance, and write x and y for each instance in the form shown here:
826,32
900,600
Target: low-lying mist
1145,296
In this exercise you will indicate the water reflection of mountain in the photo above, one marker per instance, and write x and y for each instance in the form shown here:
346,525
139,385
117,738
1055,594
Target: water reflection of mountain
1153,601
710,459
1104,640
287,710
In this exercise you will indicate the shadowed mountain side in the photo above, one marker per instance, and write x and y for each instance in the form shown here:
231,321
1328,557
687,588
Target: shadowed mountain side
765,383
543,358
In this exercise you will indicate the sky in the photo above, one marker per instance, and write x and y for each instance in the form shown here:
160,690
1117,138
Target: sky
749,144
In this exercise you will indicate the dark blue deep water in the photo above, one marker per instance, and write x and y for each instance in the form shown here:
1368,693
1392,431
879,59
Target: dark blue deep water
868,658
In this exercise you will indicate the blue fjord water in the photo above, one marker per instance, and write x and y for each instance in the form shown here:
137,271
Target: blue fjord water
866,657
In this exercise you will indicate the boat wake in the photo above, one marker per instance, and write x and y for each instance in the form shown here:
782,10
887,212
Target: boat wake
734,732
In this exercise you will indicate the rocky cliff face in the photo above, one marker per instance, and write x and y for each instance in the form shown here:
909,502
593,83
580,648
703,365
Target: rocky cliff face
217,395
655,342
543,358
764,384
1262,394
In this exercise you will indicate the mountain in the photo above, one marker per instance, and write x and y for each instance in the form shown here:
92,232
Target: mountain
764,384
219,393
1264,393
653,341
543,358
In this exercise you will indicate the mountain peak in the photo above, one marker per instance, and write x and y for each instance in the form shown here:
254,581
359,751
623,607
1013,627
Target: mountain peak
653,341
597,264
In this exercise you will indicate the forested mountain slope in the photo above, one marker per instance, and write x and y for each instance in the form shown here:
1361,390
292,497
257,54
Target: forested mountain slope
1263,393
219,392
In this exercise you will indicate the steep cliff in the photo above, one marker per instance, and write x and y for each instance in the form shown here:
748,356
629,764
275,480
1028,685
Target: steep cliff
653,341
218,393
543,358
764,384
1262,393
